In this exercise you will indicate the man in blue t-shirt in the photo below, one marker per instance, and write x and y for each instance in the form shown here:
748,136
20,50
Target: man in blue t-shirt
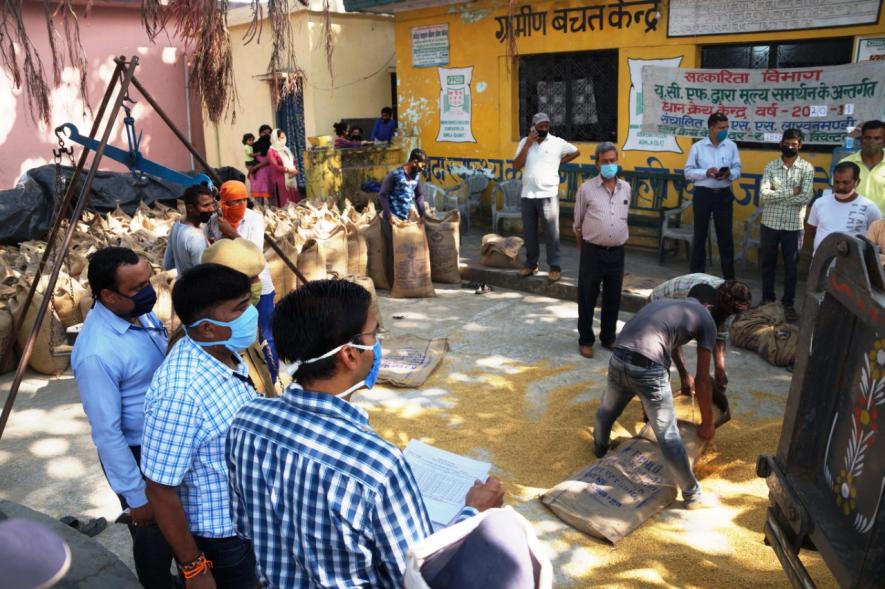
400,190
384,127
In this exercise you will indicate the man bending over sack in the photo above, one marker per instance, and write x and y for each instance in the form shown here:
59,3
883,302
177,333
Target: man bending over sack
733,296
640,365
325,500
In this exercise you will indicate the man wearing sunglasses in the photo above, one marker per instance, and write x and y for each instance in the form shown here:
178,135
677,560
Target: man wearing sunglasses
325,500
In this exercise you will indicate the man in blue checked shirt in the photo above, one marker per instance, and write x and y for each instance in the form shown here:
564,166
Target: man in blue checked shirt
116,354
325,500
189,407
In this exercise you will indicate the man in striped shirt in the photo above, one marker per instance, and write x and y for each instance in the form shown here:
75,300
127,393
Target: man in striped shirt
785,192
325,500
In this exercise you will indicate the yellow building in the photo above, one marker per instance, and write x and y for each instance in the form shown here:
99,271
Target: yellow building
360,86
592,45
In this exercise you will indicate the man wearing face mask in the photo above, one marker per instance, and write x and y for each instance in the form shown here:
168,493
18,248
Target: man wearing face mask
713,165
842,209
871,162
539,156
237,220
600,227
326,501
186,239
117,352
189,408
785,191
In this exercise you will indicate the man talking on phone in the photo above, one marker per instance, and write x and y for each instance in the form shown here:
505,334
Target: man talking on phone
539,156
713,164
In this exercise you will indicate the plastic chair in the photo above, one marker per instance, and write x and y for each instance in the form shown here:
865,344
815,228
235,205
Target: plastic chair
458,197
674,229
752,237
510,191
477,184
434,195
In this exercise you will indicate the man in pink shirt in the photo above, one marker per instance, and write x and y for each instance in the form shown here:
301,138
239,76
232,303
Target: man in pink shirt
600,227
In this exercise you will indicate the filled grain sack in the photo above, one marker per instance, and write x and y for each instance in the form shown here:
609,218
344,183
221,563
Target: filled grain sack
357,251
408,360
500,252
376,252
411,261
163,283
282,277
765,331
444,241
312,262
331,240
616,494
367,283
50,336
66,298
7,361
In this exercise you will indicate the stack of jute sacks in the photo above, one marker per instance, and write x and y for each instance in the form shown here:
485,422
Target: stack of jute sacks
322,242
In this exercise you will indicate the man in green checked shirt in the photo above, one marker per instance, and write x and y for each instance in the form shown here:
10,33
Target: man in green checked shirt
784,193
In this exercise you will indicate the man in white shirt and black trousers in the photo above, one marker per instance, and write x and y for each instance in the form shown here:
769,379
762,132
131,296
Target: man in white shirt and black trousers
713,164
539,156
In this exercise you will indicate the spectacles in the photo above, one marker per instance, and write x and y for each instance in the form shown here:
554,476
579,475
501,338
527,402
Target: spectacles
378,334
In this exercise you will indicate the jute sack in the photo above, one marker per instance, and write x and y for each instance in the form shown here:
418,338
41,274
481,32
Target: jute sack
7,362
66,300
163,283
367,283
376,252
311,261
619,492
765,331
50,336
282,277
357,251
500,252
408,360
334,248
444,241
411,261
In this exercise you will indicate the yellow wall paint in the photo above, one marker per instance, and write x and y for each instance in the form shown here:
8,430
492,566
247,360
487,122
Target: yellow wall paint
472,31
362,61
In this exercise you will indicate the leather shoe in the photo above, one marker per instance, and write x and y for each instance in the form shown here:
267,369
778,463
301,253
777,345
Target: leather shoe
526,272
586,351
554,275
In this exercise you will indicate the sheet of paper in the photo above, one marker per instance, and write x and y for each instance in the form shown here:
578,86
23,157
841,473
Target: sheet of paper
443,478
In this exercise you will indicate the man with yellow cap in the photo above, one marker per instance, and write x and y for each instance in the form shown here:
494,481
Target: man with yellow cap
235,220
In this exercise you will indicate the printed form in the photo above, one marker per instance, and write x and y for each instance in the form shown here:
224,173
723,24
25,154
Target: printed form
443,479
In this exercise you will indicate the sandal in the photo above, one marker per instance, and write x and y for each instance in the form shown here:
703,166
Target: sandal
92,528
483,289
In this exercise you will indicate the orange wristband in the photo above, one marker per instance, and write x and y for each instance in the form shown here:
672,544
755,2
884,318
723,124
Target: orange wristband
196,567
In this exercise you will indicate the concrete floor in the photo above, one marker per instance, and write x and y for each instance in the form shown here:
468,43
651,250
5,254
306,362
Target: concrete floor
501,339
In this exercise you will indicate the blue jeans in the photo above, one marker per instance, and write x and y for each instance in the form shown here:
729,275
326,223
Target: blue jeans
233,561
265,324
652,385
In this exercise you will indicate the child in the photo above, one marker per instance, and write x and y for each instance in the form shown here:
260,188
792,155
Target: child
249,154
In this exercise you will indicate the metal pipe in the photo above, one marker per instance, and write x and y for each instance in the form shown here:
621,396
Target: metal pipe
187,104
59,217
66,243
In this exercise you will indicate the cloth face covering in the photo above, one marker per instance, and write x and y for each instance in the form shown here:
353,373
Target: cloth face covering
144,300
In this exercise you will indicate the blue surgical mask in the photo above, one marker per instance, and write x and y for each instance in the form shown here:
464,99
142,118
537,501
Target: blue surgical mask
367,382
243,331
722,135
608,171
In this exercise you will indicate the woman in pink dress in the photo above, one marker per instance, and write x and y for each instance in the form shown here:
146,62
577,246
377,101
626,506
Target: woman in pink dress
283,185
260,176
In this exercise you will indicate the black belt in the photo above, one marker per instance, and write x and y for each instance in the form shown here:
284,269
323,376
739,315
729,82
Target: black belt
607,248
634,358
714,190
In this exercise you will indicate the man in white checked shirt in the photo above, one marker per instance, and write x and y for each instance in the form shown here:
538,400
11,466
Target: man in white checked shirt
188,409
325,500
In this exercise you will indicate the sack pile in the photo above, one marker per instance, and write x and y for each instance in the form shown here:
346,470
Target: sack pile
765,331
500,252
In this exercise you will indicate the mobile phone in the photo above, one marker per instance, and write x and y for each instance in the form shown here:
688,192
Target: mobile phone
124,518
722,171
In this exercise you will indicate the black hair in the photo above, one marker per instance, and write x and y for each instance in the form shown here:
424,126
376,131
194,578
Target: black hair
192,194
264,128
792,134
316,318
103,265
417,155
340,127
202,288
387,111
704,293
247,137
871,125
356,128
716,117
842,166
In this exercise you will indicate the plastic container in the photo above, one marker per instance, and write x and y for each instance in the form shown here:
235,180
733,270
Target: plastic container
842,151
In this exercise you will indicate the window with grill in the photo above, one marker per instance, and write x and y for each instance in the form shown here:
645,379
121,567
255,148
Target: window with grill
579,91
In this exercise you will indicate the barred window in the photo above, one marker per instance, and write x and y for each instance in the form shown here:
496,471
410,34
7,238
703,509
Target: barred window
579,91
778,55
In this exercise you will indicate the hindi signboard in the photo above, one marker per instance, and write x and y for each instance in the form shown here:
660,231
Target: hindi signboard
761,103
430,46
455,105
691,18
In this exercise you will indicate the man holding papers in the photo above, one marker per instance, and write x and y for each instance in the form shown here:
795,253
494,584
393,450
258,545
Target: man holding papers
326,501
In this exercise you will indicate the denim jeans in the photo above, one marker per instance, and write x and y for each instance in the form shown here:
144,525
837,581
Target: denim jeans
265,322
233,561
652,385
545,210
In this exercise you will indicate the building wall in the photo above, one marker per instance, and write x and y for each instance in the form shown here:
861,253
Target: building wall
363,58
105,33
494,89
